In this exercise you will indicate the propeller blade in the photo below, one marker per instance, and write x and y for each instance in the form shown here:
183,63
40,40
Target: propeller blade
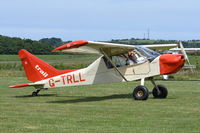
185,55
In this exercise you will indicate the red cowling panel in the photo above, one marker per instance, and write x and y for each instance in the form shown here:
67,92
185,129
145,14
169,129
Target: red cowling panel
171,63
74,44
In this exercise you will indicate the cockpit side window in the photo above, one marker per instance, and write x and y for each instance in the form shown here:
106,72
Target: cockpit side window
131,58
118,61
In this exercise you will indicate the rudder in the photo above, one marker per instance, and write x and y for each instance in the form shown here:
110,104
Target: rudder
35,68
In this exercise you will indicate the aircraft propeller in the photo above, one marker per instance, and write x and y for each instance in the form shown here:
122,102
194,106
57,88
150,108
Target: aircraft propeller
185,55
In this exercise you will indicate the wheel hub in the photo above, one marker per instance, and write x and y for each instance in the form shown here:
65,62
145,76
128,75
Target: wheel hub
140,93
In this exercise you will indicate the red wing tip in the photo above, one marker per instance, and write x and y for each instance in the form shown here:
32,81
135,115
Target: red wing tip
54,50
20,85
73,44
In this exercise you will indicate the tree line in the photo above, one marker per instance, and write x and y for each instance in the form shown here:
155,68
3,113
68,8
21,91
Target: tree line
11,45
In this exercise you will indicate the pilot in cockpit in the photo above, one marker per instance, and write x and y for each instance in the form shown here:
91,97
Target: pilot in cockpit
134,58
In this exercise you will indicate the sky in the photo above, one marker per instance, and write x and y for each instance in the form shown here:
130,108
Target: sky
100,20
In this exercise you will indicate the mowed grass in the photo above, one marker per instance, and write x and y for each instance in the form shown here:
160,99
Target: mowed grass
99,108
96,108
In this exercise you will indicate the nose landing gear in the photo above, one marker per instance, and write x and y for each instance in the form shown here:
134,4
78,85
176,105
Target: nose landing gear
160,91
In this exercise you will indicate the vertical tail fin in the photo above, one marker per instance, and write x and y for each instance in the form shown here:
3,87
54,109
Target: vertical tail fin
35,68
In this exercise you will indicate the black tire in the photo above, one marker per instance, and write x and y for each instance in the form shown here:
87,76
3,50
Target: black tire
140,93
34,94
163,92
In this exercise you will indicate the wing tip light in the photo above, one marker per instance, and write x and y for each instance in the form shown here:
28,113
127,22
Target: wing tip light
73,44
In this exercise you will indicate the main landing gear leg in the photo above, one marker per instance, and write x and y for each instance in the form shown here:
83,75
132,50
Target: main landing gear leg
35,93
141,92
159,91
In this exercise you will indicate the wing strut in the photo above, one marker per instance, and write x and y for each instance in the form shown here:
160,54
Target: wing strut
113,65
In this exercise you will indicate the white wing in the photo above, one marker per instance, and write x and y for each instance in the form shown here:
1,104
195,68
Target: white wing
108,48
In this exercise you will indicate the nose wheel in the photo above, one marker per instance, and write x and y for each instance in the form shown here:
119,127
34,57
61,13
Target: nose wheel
160,91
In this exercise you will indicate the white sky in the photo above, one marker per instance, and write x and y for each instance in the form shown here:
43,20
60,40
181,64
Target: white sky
100,20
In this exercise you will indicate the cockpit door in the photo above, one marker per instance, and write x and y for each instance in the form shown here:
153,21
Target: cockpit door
142,68
136,69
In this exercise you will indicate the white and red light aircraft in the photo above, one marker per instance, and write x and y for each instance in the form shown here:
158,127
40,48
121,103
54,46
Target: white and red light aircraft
117,63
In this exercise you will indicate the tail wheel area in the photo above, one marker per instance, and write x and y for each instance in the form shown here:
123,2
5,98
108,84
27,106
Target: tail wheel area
140,93
35,93
160,91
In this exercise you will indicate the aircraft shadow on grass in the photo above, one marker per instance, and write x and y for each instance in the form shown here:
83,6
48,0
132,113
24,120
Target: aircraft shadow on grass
80,99
94,99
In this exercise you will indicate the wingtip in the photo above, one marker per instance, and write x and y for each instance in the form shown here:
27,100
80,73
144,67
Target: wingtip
54,50
73,44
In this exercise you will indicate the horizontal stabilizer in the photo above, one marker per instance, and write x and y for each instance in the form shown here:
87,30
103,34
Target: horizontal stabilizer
25,85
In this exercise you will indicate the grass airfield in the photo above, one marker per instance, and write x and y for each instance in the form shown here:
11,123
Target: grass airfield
96,108
99,108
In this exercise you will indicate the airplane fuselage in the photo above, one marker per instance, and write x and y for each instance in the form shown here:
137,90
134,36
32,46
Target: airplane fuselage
99,73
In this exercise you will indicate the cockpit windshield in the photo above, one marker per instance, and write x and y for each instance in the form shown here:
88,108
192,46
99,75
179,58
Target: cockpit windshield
147,53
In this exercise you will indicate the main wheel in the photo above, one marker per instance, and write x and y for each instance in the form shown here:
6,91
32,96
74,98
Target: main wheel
140,93
162,93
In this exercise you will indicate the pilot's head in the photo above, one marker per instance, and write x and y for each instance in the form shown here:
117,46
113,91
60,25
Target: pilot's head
131,52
